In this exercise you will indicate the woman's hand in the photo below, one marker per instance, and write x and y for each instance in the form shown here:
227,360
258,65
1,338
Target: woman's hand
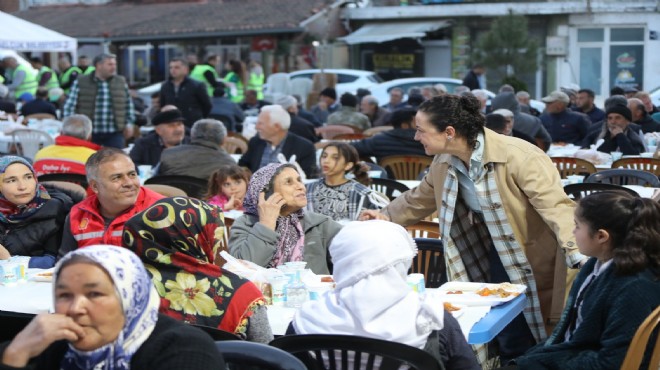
269,209
4,253
371,214
41,332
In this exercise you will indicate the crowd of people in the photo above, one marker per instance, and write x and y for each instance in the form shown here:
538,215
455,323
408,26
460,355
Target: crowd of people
153,260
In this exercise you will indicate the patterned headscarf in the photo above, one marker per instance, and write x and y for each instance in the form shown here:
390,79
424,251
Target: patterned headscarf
10,212
291,236
371,297
138,300
177,239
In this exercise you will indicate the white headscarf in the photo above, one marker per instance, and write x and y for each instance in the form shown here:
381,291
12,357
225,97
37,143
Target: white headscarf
371,297
139,301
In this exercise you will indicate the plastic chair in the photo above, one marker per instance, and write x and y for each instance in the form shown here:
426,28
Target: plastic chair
235,145
579,191
166,190
216,334
329,132
424,229
278,83
193,186
375,167
640,342
430,261
624,176
74,178
238,136
651,165
376,130
76,192
301,87
29,141
388,187
322,351
240,355
569,166
405,167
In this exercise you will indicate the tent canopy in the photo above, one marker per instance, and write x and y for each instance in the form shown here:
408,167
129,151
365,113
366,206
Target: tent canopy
381,31
20,35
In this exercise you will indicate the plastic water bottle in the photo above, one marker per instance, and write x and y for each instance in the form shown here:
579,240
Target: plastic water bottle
296,294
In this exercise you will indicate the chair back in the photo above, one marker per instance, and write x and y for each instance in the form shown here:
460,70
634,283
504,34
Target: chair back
330,131
29,141
238,136
569,166
405,167
39,116
76,192
74,178
391,188
341,352
624,176
301,87
243,355
376,130
166,190
193,186
430,261
651,165
424,229
374,167
640,343
235,145
278,83
579,191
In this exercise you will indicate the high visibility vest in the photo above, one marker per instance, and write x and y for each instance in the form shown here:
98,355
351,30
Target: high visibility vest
52,82
198,75
90,70
256,82
2,79
66,77
233,77
30,82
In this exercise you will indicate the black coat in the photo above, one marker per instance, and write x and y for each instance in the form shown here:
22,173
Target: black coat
41,233
192,99
303,128
147,149
392,142
293,144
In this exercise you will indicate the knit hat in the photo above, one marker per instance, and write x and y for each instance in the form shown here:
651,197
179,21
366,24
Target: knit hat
169,116
329,92
622,110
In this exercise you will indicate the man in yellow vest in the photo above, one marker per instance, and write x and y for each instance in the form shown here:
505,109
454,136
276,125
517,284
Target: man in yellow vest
23,78
69,73
83,64
207,73
46,77
256,79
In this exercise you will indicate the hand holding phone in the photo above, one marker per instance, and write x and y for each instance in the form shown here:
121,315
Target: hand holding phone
269,208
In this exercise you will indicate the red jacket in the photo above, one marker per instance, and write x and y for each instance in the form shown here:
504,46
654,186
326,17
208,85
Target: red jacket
88,226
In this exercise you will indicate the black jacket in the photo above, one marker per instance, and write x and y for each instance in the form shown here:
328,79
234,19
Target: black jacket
37,106
303,128
648,124
192,99
198,159
392,142
293,144
147,149
172,345
41,233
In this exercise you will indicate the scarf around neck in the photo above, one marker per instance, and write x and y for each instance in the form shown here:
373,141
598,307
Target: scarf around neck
12,213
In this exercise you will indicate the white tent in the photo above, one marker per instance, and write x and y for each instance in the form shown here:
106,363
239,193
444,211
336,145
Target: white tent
20,35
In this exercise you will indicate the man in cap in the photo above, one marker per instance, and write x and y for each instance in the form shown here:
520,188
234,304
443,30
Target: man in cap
564,125
327,104
39,105
505,125
617,134
169,131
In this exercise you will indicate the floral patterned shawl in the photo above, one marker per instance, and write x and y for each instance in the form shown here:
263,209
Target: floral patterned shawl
177,239
291,236
10,212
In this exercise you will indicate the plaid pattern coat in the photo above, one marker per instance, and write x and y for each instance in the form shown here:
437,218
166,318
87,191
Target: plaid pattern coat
526,215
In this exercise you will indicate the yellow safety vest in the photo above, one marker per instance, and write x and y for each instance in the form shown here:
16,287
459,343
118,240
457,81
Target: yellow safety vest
256,82
52,82
197,74
233,77
66,76
30,82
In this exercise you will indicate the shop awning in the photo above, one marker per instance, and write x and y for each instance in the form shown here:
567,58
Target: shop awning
381,32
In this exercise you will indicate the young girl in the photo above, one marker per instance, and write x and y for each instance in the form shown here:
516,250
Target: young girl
615,290
337,196
227,187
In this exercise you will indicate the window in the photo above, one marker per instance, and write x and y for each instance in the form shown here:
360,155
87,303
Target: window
591,34
627,34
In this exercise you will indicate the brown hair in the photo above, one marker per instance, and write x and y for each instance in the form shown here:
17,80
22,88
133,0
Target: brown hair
360,170
463,113
221,175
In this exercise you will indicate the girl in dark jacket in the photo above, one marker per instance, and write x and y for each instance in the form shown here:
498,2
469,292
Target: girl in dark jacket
31,218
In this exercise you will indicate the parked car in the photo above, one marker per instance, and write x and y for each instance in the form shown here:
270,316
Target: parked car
382,90
655,96
348,80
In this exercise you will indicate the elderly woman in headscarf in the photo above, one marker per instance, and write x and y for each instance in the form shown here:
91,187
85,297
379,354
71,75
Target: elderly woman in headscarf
106,317
177,239
372,298
275,228
31,217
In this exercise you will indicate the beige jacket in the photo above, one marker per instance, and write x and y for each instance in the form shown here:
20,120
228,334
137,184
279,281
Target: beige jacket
536,208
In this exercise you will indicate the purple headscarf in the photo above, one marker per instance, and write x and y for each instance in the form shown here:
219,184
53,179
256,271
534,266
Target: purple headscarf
291,236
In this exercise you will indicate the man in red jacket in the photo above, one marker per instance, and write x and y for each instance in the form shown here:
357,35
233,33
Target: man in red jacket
117,196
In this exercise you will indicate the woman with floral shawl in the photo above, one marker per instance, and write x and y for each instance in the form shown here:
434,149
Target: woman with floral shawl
31,218
177,239
275,228
106,317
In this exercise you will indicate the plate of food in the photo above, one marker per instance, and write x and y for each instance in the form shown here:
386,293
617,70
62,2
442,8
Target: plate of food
456,310
44,276
480,294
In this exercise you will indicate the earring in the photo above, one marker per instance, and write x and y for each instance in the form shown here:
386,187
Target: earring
449,137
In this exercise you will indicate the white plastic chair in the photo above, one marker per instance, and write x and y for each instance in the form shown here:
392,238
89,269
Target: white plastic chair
31,141
301,87
278,83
